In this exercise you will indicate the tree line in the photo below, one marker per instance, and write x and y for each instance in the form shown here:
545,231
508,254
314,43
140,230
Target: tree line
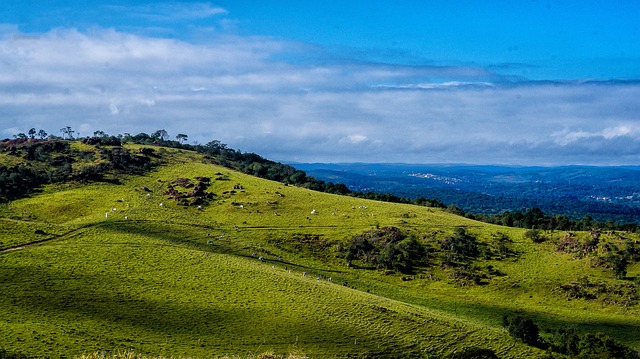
219,153
566,341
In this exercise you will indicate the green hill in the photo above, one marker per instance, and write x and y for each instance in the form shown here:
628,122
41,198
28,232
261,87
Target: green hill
187,258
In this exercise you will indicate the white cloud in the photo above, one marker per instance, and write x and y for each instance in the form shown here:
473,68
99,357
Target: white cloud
170,12
441,85
618,131
251,93
114,109
567,137
355,139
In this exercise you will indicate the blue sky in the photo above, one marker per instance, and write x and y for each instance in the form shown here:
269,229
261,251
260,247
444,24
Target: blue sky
495,82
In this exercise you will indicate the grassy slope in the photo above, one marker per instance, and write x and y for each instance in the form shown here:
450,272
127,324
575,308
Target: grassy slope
153,283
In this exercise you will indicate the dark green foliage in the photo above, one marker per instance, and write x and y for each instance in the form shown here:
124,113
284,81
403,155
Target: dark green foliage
569,342
7,355
42,151
522,327
631,250
430,202
534,235
469,274
564,341
386,248
460,247
455,210
619,264
474,353
502,246
102,141
53,161
160,135
89,173
535,218
18,181
123,161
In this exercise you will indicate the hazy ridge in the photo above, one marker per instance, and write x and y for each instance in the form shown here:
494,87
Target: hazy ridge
604,193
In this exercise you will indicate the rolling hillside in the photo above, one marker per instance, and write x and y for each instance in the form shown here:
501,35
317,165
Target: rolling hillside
193,259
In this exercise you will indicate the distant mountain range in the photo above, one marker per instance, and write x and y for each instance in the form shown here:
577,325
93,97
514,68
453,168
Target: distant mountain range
604,193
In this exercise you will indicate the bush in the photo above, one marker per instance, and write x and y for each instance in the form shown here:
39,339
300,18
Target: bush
460,247
522,327
102,141
386,248
534,235
6,355
589,345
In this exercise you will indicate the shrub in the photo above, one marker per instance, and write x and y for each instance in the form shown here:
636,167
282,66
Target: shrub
102,141
534,235
460,247
6,355
589,345
386,248
522,327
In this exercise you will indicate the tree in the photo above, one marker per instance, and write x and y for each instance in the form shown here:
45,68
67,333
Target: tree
32,133
181,137
99,133
160,135
522,327
67,131
569,341
42,134
534,235
620,264
216,145
386,248
460,247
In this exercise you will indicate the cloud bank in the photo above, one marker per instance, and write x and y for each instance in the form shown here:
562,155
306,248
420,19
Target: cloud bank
288,101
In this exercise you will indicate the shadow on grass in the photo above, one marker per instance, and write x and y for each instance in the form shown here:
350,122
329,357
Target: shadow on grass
182,234
482,312
120,307
126,309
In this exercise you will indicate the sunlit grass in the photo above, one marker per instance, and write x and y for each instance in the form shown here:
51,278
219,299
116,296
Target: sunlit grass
122,266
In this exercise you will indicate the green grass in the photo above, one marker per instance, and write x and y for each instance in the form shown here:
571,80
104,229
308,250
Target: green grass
177,281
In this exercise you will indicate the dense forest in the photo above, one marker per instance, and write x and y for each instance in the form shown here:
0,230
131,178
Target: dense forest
46,159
